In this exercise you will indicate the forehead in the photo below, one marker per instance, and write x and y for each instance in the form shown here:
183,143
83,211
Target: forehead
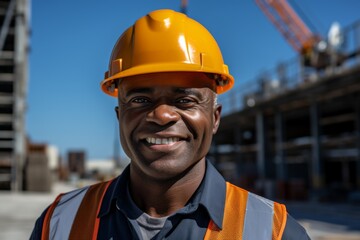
171,80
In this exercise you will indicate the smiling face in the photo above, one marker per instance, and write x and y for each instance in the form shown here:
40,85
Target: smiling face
167,121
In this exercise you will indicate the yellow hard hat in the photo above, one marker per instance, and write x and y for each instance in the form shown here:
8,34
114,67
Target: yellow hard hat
166,41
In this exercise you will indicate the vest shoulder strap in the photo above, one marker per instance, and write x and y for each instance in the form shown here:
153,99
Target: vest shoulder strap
90,207
46,222
74,215
248,216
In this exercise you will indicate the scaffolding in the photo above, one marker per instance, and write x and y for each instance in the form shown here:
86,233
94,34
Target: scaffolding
14,46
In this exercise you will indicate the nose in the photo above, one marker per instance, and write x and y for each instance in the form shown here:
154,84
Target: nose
163,114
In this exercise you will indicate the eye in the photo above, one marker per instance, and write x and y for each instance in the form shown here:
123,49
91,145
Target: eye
140,100
185,101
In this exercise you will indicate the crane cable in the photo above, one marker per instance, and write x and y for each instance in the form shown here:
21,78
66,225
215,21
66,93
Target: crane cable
305,18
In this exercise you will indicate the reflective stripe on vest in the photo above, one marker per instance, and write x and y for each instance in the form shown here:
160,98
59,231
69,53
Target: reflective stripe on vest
246,216
64,213
258,209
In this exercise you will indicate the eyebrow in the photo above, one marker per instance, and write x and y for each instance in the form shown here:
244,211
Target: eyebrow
186,91
139,90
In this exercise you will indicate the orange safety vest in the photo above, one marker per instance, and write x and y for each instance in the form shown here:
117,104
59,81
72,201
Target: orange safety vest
259,218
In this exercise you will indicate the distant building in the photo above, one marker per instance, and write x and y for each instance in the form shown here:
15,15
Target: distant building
41,168
102,169
14,45
76,162
54,157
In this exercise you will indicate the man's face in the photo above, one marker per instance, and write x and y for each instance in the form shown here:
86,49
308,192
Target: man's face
167,121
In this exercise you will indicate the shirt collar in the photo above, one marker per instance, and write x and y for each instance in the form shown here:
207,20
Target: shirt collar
210,194
117,188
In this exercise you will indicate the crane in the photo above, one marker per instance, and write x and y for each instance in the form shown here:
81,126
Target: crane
312,47
183,6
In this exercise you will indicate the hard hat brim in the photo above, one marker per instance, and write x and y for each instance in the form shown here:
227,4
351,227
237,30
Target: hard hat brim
168,67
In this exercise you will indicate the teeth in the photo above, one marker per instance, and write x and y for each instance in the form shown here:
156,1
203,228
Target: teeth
162,140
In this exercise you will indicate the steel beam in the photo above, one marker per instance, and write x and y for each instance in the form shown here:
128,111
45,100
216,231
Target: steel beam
6,24
260,136
279,158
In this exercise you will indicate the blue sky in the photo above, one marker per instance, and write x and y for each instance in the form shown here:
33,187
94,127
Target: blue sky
71,42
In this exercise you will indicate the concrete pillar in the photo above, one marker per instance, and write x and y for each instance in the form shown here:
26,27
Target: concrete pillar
260,136
279,159
237,146
316,164
214,152
345,172
357,130
20,90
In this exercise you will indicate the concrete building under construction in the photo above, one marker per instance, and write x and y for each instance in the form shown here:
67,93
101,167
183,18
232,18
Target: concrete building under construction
14,34
294,132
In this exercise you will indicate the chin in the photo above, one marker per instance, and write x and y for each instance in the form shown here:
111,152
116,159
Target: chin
170,169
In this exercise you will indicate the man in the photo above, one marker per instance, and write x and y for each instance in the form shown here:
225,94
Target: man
166,71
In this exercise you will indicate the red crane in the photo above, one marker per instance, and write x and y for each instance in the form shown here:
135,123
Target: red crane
296,32
184,6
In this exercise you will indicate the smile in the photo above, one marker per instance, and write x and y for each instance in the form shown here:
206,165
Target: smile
162,141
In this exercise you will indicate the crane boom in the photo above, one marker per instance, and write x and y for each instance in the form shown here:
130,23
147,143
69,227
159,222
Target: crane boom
290,25
183,6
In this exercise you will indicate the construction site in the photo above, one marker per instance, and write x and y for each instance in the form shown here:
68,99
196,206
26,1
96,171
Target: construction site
293,133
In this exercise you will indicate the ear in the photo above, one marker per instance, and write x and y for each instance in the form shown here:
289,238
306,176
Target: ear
117,112
217,115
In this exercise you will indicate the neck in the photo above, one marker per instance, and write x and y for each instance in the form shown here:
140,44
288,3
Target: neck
160,198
